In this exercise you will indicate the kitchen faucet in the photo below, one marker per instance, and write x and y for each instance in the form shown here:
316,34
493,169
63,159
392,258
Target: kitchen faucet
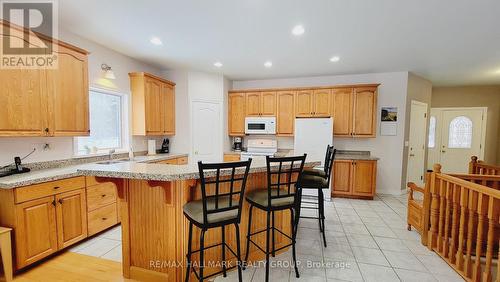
111,152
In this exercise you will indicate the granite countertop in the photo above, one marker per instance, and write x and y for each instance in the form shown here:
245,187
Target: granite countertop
50,174
340,155
134,170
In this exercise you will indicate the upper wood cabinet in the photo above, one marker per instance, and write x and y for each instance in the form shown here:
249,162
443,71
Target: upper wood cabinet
285,113
261,104
69,99
153,105
354,111
46,102
365,106
354,178
236,114
342,111
353,108
313,103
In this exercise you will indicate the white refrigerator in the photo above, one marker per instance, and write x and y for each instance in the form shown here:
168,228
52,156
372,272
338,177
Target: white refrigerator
312,135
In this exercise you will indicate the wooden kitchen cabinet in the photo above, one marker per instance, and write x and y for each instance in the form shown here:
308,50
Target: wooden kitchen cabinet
236,114
35,230
285,118
304,103
313,103
354,178
68,89
153,105
46,102
71,211
364,111
261,104
354,111
233,157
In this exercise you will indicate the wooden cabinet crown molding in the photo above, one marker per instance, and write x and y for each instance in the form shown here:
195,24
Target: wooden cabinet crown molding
303,88
145,74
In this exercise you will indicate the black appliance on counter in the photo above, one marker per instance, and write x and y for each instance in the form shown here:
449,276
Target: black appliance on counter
19,168
165,146
238,144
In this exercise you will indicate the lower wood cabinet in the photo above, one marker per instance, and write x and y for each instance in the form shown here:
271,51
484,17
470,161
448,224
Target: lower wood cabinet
71,212
175,161
354,178
51,216
233,157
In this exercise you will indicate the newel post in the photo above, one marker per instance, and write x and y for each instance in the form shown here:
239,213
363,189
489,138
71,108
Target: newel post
472,165
434,211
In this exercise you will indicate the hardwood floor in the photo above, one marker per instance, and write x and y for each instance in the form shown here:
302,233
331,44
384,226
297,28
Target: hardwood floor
73,267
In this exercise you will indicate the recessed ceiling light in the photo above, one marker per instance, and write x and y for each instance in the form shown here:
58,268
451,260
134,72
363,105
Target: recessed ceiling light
156,41
298,30
218,64
335,59
268,64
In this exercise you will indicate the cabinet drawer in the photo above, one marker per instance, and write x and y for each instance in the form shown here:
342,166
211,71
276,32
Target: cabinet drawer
100,195
41,190
102,218
182,161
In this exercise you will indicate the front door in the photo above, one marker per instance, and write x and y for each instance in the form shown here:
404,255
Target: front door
417,138
461,132
207,131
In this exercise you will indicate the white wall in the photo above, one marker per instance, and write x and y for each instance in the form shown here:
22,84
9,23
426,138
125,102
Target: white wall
196,86
391,92
62,147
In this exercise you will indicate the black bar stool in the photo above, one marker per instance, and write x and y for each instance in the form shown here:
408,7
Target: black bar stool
219,208
318,179
282,174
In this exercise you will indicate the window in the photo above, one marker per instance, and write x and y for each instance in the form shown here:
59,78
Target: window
432,132
460,133
106,123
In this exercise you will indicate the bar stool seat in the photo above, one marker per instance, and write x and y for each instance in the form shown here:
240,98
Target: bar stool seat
194,211
313,182
316,172
259,198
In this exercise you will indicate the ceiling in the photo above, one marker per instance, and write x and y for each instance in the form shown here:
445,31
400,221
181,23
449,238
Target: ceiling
450,42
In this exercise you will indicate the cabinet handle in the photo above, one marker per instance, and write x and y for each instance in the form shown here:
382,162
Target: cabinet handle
56,187
60,201
104,218
103,195
54,203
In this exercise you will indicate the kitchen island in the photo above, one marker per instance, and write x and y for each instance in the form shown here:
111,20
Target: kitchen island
154,229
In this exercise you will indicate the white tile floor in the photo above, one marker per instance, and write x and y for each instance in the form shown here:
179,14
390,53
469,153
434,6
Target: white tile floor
367,241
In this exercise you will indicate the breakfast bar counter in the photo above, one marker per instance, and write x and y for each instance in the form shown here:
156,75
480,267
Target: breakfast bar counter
154,229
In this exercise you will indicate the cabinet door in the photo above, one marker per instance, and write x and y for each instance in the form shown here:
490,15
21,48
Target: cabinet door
322,103
153,107
268,104
168,109
253,104
23,98
285,115
68,91
36,235
365,103
71,213
342,177
364,178
342,111
236,114
304,104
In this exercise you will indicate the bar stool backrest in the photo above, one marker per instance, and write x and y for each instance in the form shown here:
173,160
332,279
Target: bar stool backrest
284,173
329,158
227,195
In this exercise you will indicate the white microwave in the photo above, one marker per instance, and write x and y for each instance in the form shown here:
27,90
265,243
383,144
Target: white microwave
260,125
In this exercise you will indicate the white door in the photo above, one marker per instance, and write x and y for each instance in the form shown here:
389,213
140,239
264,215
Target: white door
206,131
461,132
416,146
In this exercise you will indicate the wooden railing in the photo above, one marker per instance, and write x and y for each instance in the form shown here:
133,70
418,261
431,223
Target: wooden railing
479,167
462,223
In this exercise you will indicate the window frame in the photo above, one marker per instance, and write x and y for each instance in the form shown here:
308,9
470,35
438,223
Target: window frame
124,130
431,117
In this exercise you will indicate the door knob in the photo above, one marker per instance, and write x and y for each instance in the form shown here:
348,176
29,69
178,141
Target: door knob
443,151
412,155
